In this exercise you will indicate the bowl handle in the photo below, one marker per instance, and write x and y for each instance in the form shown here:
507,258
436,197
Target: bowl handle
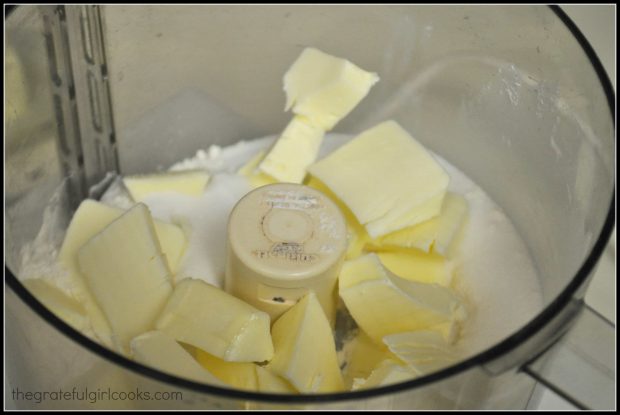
580,365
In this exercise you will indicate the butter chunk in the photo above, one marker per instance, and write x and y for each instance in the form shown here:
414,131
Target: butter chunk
295,149
127,273
382,303
357,237
363,356
269,382
89,219
251,165
386,178
92,217
305,352
210,319
386,373
235,374
321,90
246,376
162,352
251,172
63,306
190,183
324,88
436,234
395,220
260,179
416,265
424,351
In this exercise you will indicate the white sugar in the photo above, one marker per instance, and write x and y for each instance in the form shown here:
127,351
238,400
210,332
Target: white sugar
493,270
204,220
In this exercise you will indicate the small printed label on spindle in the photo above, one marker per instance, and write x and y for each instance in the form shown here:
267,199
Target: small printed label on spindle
291,200
292,252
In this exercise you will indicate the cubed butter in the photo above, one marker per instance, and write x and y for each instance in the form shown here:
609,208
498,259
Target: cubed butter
236,374
436,234
269,382
424,351
363,356
218,323
386,373
251,165
305,352
92,217
295,149
386,178
190,183
324,88
247,376
260,179
357,237
398,220
415,265
89,219
162,352
251,172
127,274
382,303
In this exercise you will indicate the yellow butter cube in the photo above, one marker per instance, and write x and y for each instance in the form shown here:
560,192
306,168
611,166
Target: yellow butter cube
162,352
382,303
251,165
126,271
190,183
436,234
324,88
210,319
92,217
255,176
424,351
305,352
236,374
269,382
295,149
386,178
357,237
415,265
89,219
363,356
386,373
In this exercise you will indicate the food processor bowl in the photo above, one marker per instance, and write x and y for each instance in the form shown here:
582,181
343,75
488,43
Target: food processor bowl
511,95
